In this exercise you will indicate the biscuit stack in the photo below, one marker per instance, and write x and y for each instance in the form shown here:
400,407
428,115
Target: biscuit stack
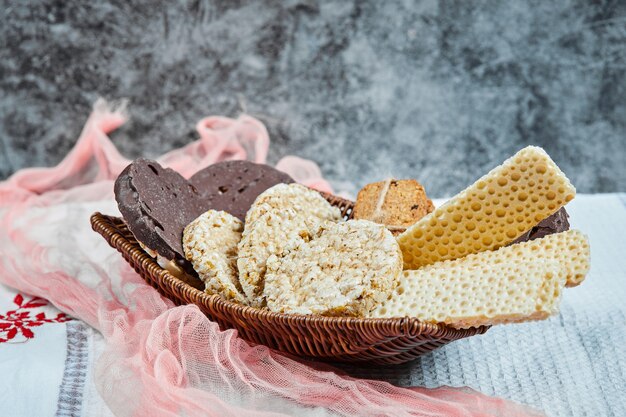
458,268
459,264
295,255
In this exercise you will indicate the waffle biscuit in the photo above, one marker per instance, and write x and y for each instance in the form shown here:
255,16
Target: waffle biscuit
491,213
569,249
477,275
465,295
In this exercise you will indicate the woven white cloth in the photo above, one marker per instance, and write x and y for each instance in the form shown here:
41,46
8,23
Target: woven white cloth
573,364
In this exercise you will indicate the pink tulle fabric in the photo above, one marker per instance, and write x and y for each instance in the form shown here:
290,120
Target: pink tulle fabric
162,360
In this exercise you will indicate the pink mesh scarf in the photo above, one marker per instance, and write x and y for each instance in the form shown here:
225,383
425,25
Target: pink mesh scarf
162,360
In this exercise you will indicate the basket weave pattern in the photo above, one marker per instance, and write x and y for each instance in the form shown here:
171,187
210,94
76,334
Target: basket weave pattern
340,339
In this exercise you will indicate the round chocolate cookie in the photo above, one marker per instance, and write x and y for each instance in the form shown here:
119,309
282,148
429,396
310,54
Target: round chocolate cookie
232,186
157,203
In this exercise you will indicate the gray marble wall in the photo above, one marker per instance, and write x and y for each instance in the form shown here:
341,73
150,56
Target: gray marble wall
438,91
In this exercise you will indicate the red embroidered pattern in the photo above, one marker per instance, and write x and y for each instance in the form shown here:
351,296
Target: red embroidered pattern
20,321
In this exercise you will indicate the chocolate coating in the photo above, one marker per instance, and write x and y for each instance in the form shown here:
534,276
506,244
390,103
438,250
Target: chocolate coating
157,203
555,223
232,186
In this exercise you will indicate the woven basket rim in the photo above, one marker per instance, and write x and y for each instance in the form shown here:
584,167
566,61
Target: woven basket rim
407,326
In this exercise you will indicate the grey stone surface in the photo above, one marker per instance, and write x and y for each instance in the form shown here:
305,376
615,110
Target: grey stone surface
438,91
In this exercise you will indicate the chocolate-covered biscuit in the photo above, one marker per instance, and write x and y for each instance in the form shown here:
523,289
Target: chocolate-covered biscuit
232,186
157,203
555,223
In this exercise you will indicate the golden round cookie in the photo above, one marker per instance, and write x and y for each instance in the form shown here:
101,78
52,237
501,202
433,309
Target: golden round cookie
347,269
210,244
395,203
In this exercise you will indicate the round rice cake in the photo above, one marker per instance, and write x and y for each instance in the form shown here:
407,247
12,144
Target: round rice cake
210,244
275,232
295,196
280,217
348,269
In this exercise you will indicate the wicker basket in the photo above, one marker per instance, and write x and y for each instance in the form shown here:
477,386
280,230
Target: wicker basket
337,339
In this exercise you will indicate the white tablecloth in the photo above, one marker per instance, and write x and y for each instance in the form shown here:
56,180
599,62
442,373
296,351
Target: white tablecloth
571,365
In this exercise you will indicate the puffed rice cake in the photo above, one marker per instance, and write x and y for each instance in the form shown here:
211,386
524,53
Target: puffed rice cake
210,244
273,233
295,196
281,217
346,270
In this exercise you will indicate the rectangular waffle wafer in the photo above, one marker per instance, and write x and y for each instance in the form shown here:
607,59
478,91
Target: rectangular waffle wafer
491,213
495,286
463,295
569,249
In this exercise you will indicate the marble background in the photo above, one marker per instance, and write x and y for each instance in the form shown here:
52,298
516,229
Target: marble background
438,91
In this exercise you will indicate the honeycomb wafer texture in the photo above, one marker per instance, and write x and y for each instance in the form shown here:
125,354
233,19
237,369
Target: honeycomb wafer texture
566,252
464,295
348,269
210,244
491,213
395,203
569,249
296,197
